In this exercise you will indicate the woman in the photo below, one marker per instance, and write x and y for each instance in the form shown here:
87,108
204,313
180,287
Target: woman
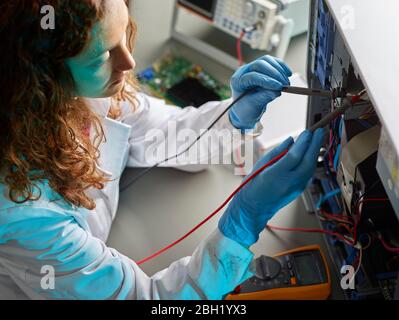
62,92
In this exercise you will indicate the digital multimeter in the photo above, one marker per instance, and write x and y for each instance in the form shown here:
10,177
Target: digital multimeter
299,274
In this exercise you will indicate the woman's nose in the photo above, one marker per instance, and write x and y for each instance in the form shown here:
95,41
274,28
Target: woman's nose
124,60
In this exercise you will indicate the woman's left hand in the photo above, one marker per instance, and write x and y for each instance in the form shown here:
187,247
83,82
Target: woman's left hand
266,77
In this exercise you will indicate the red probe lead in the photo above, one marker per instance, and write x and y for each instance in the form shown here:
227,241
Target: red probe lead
252,176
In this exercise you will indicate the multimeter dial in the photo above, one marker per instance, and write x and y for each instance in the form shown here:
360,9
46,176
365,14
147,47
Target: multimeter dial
292,270
267,268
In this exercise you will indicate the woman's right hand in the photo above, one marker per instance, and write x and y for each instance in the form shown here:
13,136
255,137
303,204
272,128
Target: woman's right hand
274,188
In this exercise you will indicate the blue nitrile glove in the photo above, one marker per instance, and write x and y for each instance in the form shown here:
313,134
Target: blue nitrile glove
266,76
274,188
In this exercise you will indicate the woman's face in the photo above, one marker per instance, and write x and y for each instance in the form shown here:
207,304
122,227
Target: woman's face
99,70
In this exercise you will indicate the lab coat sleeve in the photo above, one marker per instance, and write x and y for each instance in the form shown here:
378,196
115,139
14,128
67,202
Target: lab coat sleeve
85,268
160,131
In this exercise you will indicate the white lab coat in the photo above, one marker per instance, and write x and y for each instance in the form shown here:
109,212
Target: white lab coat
46,231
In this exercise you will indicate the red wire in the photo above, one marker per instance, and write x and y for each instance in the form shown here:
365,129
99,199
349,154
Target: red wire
388,247
252,176
340,236
334,216
356,99
343,225
238,46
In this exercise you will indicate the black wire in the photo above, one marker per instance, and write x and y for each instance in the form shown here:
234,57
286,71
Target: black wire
355,202
144,172
366,192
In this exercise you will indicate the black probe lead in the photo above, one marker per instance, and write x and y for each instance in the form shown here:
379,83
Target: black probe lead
147,170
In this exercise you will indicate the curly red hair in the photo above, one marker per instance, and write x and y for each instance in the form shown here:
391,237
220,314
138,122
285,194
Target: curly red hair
41,124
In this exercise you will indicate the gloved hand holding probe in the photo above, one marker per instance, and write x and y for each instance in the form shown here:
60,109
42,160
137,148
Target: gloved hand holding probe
266,77
274,188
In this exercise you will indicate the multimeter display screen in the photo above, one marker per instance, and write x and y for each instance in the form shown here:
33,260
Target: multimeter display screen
308,270
205,6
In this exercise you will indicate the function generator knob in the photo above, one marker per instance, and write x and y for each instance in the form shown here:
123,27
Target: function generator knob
249,8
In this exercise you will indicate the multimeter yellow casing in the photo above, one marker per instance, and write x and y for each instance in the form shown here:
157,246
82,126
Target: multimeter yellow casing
293,290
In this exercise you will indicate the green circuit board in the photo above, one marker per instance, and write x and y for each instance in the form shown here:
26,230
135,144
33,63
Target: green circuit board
180,82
